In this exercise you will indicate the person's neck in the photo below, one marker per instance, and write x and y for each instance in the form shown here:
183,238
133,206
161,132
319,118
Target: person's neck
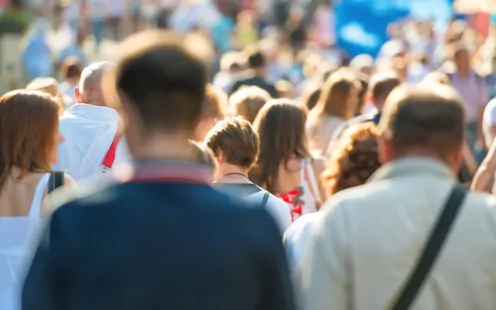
423,153
163,147
463,72
232,174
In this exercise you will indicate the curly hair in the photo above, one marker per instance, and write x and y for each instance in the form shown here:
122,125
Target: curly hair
353,160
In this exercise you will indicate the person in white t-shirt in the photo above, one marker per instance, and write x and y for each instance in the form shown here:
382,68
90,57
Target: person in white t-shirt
235,145
91,130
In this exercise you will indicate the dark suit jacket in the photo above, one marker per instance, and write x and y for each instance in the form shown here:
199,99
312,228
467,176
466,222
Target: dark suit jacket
255,81
159,246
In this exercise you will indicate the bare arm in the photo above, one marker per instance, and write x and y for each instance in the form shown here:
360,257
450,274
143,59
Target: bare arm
485,173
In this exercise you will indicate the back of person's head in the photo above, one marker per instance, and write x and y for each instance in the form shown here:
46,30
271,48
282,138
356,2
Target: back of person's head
280,126
255,58
71,69
381,85
248,101
434,78
339,96
311,97
353,160
423,121
48,86
214,104
29,133
232,62
161,82
90,89
203,155
234,142
363,64
213,109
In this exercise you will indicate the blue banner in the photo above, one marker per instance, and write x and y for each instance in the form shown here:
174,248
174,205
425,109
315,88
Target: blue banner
361,25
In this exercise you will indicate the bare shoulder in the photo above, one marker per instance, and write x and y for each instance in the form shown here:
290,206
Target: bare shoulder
318,164
69,181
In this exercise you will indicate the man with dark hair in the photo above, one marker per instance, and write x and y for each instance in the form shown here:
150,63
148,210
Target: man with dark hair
70,73
380,86
163,239
257,75
235,145
410,224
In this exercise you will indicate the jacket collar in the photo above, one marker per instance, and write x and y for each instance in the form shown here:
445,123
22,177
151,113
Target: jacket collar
92,112
412,166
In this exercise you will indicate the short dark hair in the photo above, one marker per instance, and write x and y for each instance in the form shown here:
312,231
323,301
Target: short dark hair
71,68
256,59
164,78
237,140
382,84
424,117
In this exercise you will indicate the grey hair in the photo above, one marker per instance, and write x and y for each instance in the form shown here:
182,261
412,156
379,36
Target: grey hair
93,74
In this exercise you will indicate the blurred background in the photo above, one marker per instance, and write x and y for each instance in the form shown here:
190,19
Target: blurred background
37,36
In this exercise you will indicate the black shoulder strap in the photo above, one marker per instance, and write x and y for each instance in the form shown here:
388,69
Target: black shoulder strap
56,180
265,199
431,250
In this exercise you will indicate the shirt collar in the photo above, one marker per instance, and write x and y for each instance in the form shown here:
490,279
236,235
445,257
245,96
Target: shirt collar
93,112
412,166
166,171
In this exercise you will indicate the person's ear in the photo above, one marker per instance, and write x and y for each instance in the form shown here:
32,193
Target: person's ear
77,93
219,156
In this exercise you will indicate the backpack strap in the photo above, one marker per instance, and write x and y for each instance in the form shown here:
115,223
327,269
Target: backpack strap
56,181
265,199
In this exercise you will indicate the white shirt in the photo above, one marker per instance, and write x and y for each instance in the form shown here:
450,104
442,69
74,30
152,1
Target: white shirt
88,131
369,238
488,121
18,238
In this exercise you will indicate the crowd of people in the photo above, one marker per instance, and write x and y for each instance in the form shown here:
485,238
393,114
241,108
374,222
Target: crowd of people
259,170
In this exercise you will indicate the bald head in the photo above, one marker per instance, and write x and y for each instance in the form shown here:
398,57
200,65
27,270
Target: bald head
90,84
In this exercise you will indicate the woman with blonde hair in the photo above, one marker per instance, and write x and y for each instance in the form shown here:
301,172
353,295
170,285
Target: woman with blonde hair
29,136
337,103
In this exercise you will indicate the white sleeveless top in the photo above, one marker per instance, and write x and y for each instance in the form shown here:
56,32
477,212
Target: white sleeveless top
308,197
18,238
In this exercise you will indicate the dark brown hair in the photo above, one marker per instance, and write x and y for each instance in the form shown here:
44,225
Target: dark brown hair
236,139
248,101
382,84
164,77
28,123
334,97
311,97
430,117
280,125
71,68
353,159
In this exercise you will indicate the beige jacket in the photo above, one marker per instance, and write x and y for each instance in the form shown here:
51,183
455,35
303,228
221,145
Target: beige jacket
369,237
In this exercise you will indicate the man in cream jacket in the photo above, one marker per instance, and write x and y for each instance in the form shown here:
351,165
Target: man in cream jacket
369,238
